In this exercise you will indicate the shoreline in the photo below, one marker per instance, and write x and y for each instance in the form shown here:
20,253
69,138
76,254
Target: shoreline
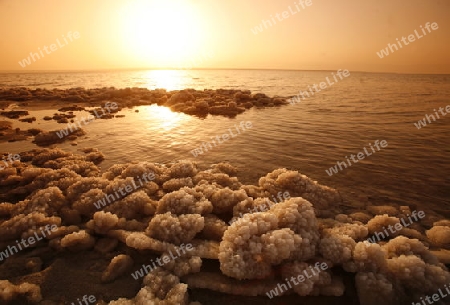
123,236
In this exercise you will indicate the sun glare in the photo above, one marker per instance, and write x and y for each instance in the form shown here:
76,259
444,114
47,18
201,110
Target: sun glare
166,119
161,33
167,79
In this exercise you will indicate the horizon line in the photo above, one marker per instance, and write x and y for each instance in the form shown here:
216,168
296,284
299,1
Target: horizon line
193,69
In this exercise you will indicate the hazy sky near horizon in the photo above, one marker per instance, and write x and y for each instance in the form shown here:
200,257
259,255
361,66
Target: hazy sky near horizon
327,35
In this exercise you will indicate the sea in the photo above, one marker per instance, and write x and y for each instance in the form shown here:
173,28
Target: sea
310,136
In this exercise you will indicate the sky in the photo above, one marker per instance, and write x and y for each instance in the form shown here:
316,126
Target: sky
157,34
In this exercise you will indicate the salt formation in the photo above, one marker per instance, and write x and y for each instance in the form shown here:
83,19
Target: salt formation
183,205
440,236
298,185
311,279
9,292
119,265
249,248
161,288
175,229
78,241
201,103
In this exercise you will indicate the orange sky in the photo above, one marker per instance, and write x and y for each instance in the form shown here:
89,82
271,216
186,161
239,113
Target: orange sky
327,35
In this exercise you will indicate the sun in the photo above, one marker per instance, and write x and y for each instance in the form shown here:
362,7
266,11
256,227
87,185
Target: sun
161,33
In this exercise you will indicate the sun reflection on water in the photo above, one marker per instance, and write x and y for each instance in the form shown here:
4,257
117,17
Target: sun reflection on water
167,79
164,117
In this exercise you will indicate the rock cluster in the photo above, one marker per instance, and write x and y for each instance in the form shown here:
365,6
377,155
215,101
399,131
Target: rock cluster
185,205
195,102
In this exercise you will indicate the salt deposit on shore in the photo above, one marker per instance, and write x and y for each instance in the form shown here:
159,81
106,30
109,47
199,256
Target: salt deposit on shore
201,103
221,102
95,252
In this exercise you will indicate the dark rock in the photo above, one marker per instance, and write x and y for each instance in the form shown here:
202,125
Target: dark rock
28,120
63,121
34,131
4,125
51,137
14,114
71,108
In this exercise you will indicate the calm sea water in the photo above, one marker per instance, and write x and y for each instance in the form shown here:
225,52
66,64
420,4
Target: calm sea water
310,136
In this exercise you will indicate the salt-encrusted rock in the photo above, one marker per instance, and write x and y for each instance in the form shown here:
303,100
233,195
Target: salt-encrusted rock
133,206
221,179
416,275
356,231
78,241
298,215
361,217
298,185
223,200
214,228
57,136
404,246
41,156
13,228
367,257
257,241
443,222
103,222
180,97
177,183
375,289
183,169
140,241
6,209
343,218
47,201
61,178
90,202
161,287
118,266
439,236
226,168
265,236
183,266
251,246
337,248
380,223
84,185
294,269
10,292
383,209
184,201
175,229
